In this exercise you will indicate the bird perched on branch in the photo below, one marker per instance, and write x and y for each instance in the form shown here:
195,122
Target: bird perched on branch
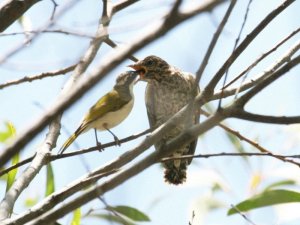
109,111
168,90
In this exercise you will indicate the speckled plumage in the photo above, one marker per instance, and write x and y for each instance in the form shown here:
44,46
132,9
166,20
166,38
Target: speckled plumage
168,90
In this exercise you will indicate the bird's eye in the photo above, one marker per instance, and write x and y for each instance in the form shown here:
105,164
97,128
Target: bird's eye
149,63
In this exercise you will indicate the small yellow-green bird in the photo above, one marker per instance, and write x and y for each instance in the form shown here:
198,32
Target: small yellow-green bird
110,110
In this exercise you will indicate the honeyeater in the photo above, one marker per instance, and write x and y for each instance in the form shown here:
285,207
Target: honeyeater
110,110
168,90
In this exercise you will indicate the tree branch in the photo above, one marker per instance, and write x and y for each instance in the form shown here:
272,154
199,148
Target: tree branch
278,63
12,10
108,64
7,204
75,153
250,37
54,214
213,42
262,57
29,39
268,80
241,114
38,77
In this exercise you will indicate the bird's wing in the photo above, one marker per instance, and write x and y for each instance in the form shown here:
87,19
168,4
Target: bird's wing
193,144
108,103
150,105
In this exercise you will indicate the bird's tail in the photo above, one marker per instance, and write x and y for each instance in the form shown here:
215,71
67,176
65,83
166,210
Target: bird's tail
175,175
71,139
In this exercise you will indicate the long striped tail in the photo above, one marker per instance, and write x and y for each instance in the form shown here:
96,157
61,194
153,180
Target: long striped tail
71,139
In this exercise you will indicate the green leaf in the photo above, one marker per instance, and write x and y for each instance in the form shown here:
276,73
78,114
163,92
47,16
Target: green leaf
280,183
113,218
12,174
50,187
130,212
267,198
8,133
29,202
76,217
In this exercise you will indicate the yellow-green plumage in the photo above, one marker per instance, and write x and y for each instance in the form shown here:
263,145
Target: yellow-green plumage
110,110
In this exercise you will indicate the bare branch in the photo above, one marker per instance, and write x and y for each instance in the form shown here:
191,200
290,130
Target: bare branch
55,5
262,57
37,77
112,44
75,153
241,114
271,78
12,10
29,39
59,31
213,42
7,204
250,37
251,142
122,4
269,71
234,47
235,154
50,201
54,214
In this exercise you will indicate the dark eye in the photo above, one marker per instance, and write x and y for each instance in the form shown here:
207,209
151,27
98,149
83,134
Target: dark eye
149,63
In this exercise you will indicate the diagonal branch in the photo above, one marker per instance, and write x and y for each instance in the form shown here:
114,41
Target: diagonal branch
213,42
262,57
271,78
279,62
12,10
245,43
54,214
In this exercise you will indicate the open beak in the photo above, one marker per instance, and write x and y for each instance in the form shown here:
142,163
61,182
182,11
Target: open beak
141,71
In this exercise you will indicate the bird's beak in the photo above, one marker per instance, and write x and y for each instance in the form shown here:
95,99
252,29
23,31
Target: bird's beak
141,71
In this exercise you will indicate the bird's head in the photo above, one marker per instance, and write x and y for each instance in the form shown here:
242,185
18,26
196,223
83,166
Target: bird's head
151,68
126,80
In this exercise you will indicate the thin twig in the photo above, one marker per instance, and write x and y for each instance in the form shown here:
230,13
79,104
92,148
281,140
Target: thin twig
271,78
249,141
213,42
59,31
38,77
55,5
262,76
233,154
112,44
262,57
245,43
79,152
234,47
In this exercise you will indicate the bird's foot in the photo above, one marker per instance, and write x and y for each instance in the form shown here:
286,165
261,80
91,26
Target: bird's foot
100,146
117,141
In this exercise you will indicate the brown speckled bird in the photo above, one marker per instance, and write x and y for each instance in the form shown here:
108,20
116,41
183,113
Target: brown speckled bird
168,90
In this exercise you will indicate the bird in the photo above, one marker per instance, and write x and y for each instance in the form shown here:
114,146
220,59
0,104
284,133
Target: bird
168,90
109,111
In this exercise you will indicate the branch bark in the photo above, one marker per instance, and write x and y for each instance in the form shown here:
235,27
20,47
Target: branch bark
11,10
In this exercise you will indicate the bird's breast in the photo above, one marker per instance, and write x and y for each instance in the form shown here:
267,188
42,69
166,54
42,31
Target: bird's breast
114,118
163,100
